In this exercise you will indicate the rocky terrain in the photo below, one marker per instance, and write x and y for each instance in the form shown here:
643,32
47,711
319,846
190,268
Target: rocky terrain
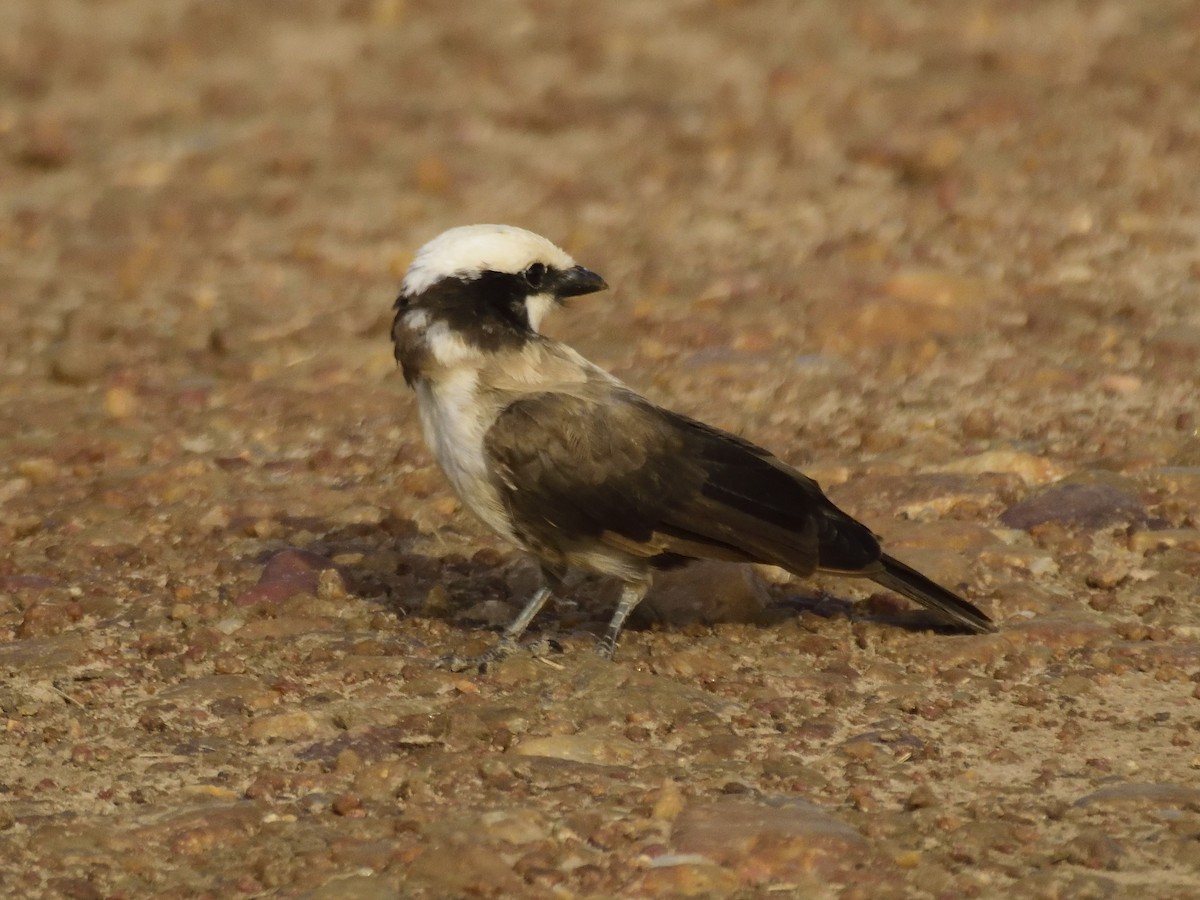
943,256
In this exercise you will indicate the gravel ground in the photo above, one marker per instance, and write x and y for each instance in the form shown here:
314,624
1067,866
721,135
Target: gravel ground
942,255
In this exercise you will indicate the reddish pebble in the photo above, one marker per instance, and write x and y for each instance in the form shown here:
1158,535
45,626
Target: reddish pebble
287,574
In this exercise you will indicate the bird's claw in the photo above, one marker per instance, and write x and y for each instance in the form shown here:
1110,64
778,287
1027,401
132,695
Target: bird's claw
480,663
455,663
505,648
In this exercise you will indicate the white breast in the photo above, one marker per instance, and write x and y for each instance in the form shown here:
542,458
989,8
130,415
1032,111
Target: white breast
455,421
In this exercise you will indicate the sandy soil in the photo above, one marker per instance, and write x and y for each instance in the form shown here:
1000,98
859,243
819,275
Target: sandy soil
943,255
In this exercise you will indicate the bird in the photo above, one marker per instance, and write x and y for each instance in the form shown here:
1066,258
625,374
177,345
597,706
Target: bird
563,460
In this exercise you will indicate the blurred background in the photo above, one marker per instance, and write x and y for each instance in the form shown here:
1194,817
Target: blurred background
943,255
194,189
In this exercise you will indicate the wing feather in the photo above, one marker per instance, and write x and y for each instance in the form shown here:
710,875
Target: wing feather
576,469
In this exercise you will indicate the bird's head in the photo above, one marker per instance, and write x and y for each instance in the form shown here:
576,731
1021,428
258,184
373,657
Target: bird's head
480,288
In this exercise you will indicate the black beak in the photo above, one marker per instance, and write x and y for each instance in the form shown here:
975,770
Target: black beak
576,281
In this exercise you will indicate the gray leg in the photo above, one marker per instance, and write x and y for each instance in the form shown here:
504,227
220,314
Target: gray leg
514,631
631,595
508,641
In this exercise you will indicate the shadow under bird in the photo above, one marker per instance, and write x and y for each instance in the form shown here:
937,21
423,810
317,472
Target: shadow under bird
565,461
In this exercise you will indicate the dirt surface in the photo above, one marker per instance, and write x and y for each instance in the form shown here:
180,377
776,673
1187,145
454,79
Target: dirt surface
942,255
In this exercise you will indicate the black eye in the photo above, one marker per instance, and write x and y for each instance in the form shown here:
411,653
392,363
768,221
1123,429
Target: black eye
535,275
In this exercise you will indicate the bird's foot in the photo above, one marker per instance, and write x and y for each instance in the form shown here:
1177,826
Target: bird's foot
505,648
480,663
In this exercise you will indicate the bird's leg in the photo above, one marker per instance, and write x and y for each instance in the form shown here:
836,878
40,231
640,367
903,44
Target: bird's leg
631,595
517,627
508,641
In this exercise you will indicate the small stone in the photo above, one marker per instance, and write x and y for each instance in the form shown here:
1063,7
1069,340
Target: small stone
348,761
1053,884
937,289
287,574
287,726
491,612
581,748
46,144
40,654
1088,505
686,875
932,496
1055,633
669,804
1148,795
1092,849
1025,559
39,470
921,798
438,602
217,518
183,612
81,357
120,402
381,780
1029,468
432,175
764,841
1147,542
360,515
470,870
46,617
210,689
703,592
210,791
514,826
331,585
346,804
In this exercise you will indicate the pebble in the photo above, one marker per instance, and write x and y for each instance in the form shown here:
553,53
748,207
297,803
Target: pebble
465,871
1147,795
1054,884
292,725
1036,562
1092,848
358,886
47,617
39,470
514,826
55,653
82,356
46,143
290,573
360,515
927,496
768,841
1056,633
582,748
1177,344
1029,468
917,304
1088,505
1147,542
703,592
669,803
687,875
930,287
208,689
120,402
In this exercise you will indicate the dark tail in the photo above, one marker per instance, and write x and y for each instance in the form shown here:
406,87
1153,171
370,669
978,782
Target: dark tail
898,577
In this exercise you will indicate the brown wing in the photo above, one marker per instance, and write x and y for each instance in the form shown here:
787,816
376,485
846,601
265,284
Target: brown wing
616,469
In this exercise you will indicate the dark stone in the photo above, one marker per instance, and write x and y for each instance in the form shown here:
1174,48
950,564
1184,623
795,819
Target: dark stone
1088,505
